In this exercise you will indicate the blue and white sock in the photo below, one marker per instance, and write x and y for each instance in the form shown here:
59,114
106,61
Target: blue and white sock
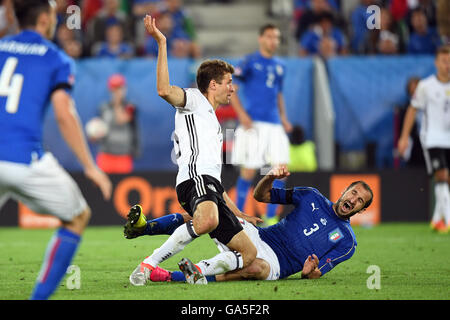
271,207
178,276
59,254
164,225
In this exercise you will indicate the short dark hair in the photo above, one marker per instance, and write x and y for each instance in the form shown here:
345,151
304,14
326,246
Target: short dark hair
267,26
445,49
28,11
212,70
365,186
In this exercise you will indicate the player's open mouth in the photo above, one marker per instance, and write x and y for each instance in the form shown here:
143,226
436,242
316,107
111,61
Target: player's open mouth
347,206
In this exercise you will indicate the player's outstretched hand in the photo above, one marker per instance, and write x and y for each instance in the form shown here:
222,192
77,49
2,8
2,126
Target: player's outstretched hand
253,220
150,25
101,180
311,263
279,172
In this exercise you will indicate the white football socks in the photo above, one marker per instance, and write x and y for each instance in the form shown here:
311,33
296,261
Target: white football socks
442,194
221,263
181,237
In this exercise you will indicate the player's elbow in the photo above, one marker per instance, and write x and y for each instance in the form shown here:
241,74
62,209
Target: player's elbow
163,93
261,196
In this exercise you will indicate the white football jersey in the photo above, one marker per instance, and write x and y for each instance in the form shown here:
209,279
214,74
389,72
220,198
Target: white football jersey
197,138
433,98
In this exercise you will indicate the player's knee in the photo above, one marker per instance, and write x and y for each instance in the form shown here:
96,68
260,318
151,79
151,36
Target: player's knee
79,223
249,255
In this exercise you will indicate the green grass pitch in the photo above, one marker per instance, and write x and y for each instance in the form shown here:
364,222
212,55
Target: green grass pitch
413,261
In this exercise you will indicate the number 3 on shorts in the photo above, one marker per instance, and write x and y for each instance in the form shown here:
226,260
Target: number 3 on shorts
11,85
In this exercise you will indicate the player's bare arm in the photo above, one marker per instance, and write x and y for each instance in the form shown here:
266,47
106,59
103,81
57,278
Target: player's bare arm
69,125
172,94
262,189
408,123
282,110
238,213
243,116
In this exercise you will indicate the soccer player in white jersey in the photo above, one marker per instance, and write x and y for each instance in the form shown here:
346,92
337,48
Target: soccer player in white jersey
198,145
433,97
33,72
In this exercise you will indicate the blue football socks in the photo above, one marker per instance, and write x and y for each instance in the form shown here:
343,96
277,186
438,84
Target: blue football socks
59,254
242,187
164,225
178,276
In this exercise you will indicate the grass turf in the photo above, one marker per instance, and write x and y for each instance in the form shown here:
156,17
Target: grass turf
414,263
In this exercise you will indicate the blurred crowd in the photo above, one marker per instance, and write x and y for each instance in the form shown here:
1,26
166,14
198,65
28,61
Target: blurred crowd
114,28
404,27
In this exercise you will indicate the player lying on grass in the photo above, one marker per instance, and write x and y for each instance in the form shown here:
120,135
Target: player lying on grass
313,238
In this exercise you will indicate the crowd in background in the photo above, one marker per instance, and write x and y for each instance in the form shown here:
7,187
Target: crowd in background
114,28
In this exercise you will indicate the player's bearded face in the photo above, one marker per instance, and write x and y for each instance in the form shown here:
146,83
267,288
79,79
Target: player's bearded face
352,201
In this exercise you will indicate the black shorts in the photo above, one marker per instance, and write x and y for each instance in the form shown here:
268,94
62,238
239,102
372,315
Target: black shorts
206,188
436,159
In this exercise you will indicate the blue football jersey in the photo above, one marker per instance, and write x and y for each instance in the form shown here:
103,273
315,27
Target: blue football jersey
312,227
31,68
261,80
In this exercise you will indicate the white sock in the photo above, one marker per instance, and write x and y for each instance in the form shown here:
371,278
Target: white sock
181,237
221,263
441,201
444,200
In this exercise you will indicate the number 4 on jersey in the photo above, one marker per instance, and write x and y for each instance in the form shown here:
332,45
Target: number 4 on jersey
11,84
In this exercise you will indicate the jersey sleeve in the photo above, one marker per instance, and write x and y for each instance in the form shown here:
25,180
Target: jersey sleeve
64,72
191,100
242,69
418,100
281,196
334,257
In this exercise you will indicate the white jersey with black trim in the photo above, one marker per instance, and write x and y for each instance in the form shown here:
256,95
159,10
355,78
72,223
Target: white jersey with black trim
197,140
433,98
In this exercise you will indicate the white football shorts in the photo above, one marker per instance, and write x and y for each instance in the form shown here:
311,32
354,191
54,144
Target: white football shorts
265,144
264,251
43,186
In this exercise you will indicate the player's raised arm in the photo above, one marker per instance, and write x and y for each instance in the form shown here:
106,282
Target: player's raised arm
172,94
262,189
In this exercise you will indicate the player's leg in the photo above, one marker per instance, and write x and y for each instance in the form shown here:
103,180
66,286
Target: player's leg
438,165
259,269
243,185
49,189
137,225
205,220
246,154
277,152
241,251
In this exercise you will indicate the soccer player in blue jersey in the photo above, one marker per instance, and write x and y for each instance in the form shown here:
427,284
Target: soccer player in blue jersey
313,238
260,139
33,72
